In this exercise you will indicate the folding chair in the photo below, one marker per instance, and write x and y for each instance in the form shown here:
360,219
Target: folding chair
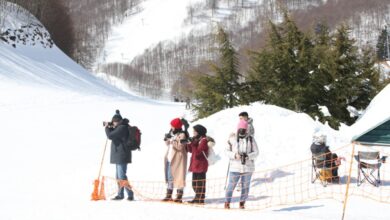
319,169
369,164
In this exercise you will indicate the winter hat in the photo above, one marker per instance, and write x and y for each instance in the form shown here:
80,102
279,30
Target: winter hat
242,124
319,138
244,114
200,129
176,123
117,117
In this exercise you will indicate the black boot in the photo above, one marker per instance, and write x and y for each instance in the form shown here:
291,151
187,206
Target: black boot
242,205
179,196
168,197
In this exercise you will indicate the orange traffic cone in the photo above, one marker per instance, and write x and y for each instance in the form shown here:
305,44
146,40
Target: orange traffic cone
102,194
95,194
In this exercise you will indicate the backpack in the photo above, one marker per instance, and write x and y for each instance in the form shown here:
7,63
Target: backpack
212,157
133,141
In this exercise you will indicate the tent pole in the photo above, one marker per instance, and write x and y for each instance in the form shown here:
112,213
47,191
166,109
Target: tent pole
349,180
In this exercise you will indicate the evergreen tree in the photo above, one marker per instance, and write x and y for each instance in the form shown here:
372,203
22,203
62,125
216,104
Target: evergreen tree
320,72
369,80
305,72
220,90
344,88
280,71
382,44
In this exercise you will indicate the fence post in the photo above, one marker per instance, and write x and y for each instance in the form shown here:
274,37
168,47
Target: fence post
348,180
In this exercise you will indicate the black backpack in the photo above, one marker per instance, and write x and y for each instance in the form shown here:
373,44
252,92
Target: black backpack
133,141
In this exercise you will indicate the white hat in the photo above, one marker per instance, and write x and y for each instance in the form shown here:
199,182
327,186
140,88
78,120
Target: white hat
319,137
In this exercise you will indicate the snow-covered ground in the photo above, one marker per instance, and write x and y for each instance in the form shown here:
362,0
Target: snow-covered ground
158,20
52,140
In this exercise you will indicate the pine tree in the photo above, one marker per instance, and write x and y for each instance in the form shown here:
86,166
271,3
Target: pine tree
382,44
345,85
280,71
305,72
369,80
220,90
321,73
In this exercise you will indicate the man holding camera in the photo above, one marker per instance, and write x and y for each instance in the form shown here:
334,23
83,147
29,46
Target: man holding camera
175,160
242,151
117,131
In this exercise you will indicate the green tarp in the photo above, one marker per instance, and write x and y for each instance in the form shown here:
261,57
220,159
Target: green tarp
379,135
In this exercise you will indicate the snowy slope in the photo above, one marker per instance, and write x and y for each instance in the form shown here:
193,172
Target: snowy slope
162,20
152,25
26,57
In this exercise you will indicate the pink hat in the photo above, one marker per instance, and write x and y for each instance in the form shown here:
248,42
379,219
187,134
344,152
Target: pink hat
242,124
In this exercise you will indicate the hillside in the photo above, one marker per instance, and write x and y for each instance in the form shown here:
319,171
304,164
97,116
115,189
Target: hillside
153,51
53,141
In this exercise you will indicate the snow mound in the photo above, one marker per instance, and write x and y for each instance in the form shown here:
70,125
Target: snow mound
279,133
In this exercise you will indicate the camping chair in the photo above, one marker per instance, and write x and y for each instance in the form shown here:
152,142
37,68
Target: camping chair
369,164
319,169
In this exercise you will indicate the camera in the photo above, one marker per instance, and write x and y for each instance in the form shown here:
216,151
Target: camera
167,136
109,124
184,141
244,157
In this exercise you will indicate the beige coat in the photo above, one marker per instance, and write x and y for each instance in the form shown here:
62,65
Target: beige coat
178,161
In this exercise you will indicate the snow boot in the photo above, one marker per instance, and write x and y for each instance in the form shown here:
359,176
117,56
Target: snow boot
168,197
179,196
131,196
242,205
117,198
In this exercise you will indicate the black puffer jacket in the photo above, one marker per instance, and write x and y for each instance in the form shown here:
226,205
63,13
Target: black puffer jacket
119,153
320,149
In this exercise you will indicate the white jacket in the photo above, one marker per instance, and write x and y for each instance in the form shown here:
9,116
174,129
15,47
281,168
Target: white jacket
246,145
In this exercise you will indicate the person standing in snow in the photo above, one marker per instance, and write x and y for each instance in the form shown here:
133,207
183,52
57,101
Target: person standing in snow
175,161
251,132
245,116
188,102
198,165
242,151
117,132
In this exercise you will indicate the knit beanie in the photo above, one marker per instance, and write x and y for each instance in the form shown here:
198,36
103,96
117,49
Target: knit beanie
200,129
242,124
176,123
245,114
117,117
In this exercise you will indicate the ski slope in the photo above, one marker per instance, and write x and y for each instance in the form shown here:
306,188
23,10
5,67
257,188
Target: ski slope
52,141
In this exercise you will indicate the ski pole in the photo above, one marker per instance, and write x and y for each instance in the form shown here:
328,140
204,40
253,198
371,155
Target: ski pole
101,163
95,194
228,169
227,174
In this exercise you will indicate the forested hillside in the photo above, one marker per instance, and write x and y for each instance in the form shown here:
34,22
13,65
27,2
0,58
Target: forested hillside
169,62
81,28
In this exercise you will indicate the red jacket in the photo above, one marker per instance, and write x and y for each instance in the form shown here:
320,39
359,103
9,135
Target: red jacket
198,162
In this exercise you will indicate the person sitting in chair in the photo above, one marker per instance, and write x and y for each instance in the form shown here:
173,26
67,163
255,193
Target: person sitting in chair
319,147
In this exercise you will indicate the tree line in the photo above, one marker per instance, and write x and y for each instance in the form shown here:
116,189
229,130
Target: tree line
305,71
173,60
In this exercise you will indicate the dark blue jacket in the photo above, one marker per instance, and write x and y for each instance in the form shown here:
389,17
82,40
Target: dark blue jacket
119,153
